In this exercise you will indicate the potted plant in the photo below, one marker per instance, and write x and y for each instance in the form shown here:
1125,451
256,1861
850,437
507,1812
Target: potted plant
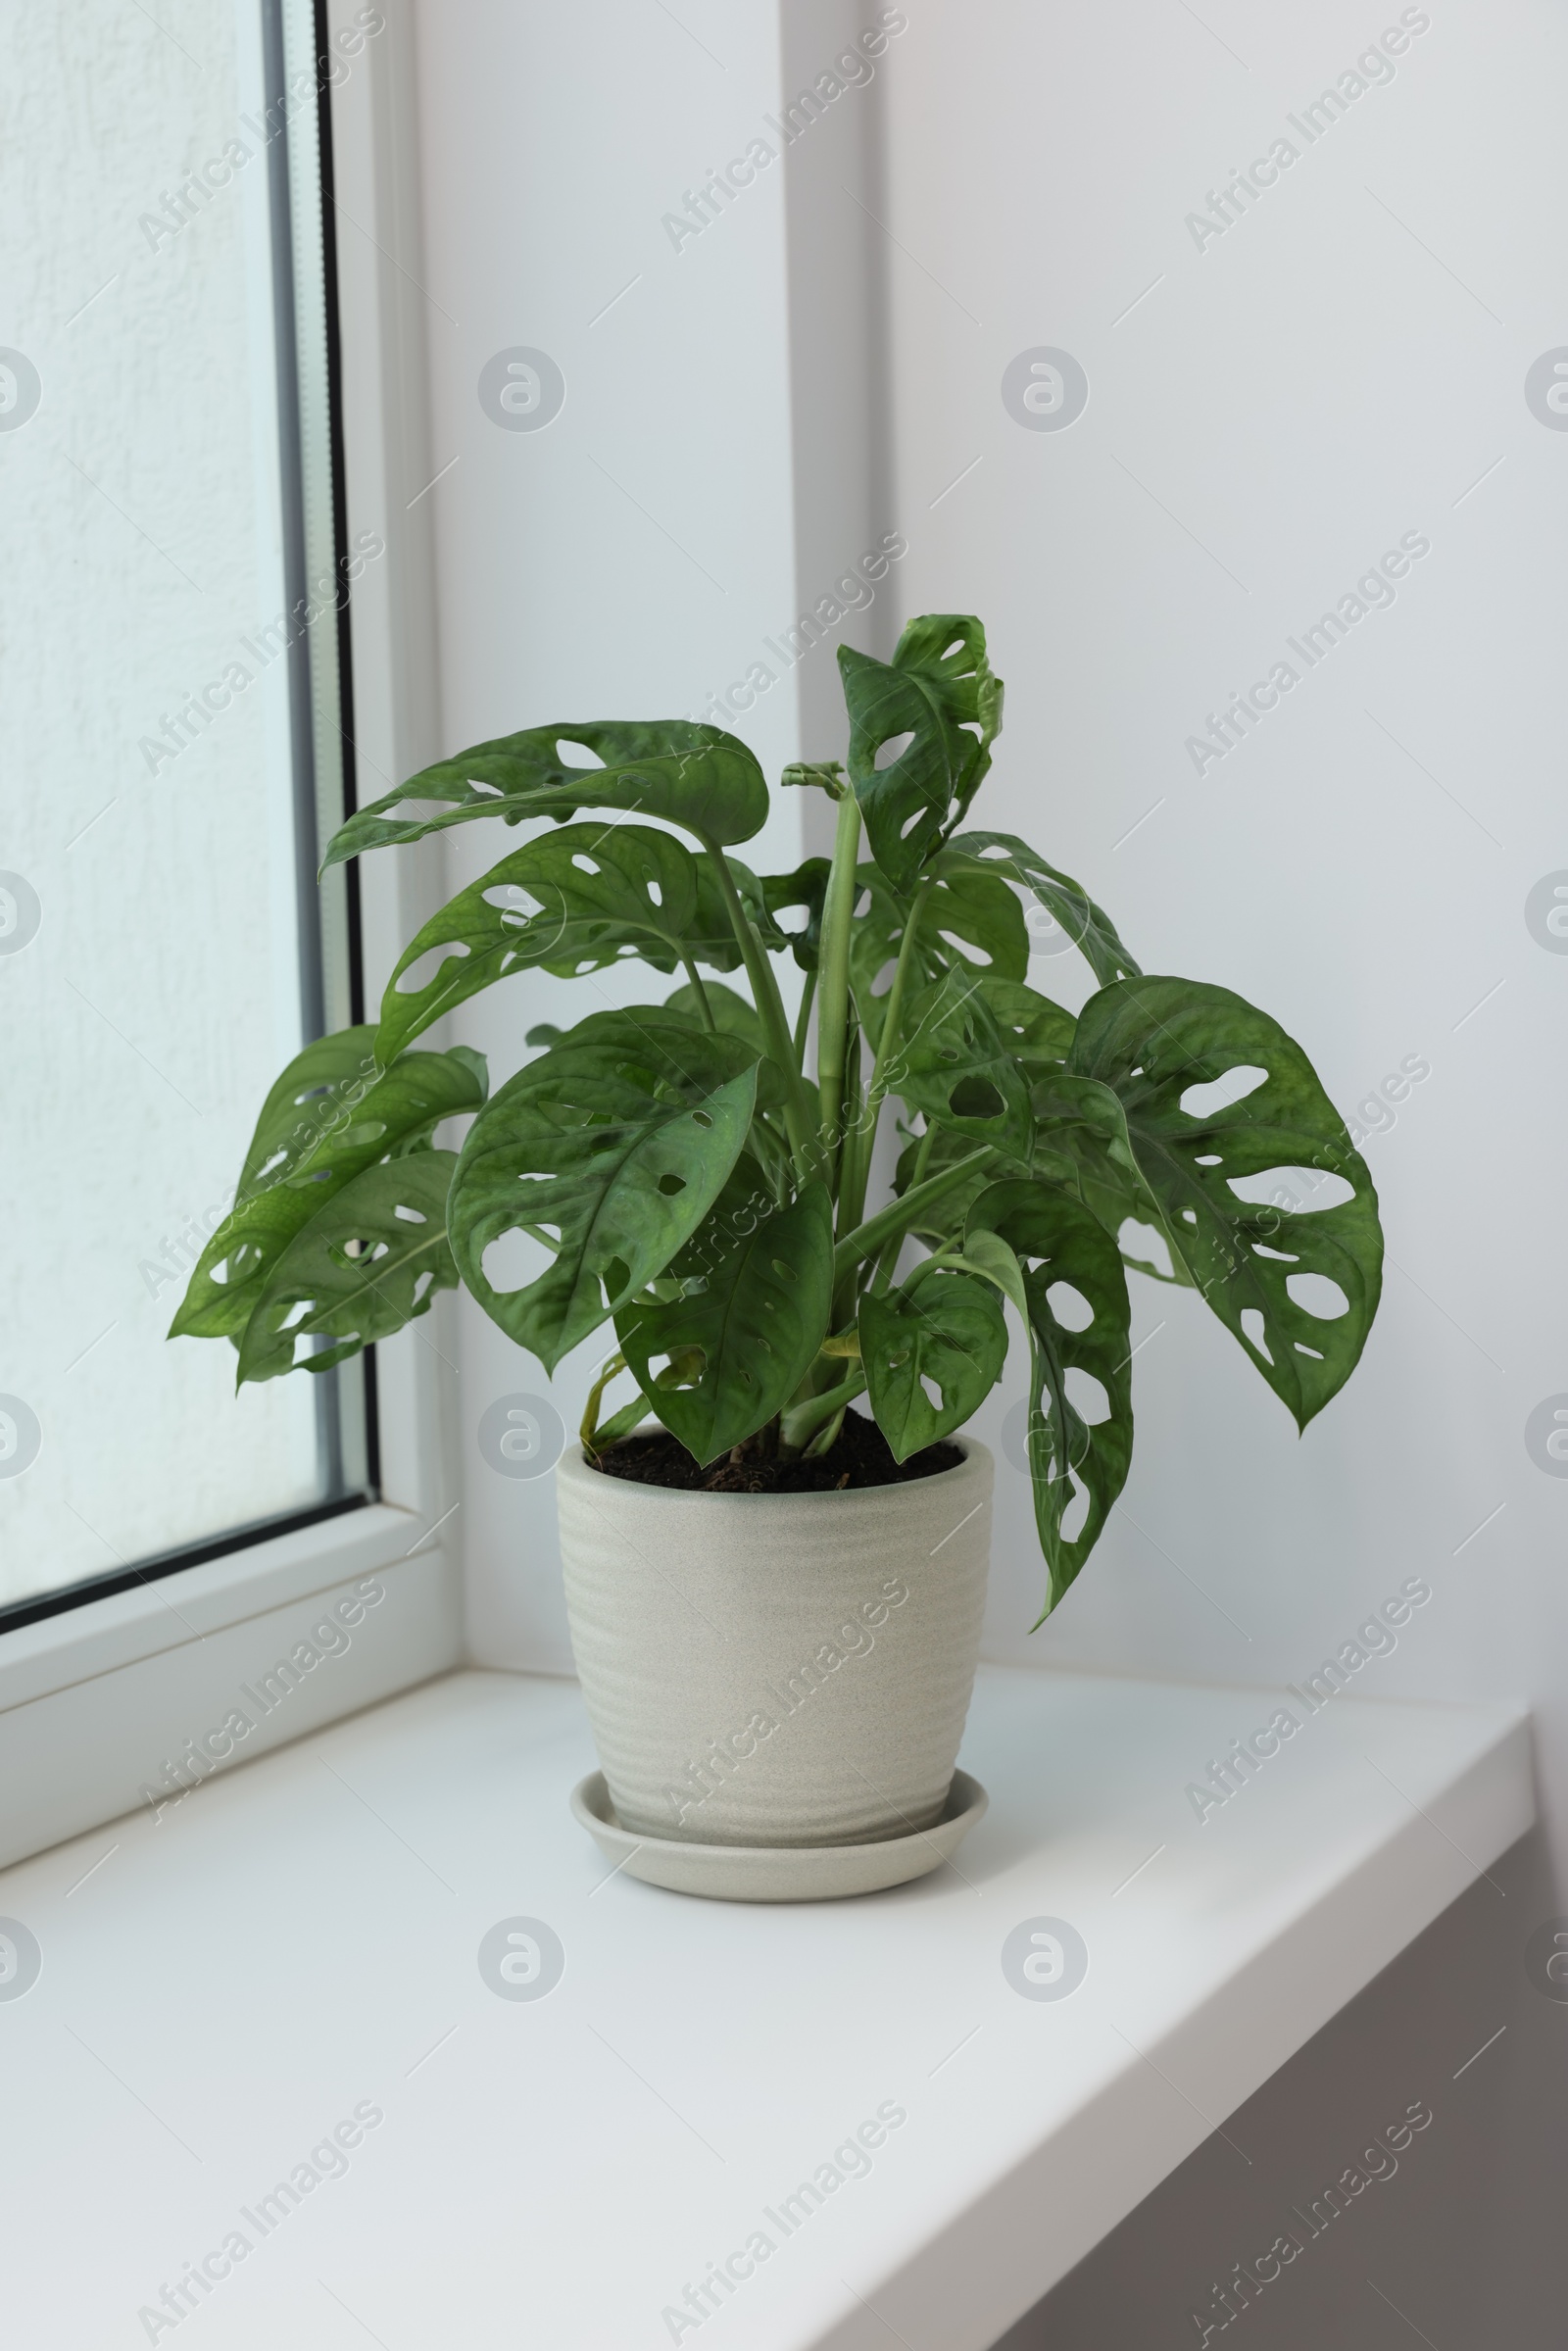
775,1550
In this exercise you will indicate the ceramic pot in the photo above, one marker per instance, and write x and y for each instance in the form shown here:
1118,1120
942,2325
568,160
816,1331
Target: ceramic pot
777,1669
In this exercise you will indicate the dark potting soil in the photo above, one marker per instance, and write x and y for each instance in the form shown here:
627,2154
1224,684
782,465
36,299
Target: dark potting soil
860,1455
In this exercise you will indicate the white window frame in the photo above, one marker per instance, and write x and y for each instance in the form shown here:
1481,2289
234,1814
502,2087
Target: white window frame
97,1700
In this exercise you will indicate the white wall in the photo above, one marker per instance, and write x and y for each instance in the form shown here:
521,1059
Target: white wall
1285,402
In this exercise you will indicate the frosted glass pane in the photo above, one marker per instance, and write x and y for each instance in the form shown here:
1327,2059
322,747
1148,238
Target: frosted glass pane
150,961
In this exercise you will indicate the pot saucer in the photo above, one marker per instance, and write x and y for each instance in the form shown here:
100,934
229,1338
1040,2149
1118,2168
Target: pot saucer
777,1873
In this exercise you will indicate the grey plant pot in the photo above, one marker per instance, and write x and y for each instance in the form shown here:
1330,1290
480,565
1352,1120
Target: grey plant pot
776,1669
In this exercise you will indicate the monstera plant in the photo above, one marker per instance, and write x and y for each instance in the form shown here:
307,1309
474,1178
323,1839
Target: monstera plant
689,1169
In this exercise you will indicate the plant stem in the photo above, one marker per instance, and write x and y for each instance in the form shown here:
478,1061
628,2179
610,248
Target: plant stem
858,1167
612,1368
700,994
803,1421
833,1009
899,1214
882,1273
770,1011
803,1019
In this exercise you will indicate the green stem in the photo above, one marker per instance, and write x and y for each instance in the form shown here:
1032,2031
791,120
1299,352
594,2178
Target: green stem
833,1009
613,1365
803,1019
857,1168
899,1214
770,1011
882,1273
700,994
801,1424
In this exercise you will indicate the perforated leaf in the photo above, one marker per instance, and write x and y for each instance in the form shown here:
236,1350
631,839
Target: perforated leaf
954,1064
1037,1030
328,1117
972,923
1066,904
1055,1240
805,887
1151,1041
370,1260
946,1333
939,690
695,776
747,1328
617,1141
569,901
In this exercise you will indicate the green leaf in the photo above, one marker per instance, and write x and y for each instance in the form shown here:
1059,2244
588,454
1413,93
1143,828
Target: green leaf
1038,1031
619,1139
1081,1144
569,901
1090,929
955,1066
1055,1240
746,1330
733,1017
994,1261
944,1220
946,1330
805,887
327,1118
695,776
370,1260
972,923
1152,1039
939,690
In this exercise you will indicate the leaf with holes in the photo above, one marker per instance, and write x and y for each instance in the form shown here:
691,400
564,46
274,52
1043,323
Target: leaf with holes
327,1118
620,1139
920,733
954,1064
945,1333
1072,916
569,901
750,1327
1038,1031
1154,1042
972,923
370,1260
805,887
1060,1249
695,776
1081,1144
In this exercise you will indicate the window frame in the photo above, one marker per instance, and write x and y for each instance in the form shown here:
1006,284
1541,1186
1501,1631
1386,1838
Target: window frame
96,1689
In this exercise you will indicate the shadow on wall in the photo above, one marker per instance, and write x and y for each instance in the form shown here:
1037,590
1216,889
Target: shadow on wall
1361,2198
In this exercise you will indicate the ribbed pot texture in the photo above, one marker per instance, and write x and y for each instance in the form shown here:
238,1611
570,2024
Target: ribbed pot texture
776,1669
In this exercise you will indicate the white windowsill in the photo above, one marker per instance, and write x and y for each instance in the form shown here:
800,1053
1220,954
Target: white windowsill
56,1651
301,1936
